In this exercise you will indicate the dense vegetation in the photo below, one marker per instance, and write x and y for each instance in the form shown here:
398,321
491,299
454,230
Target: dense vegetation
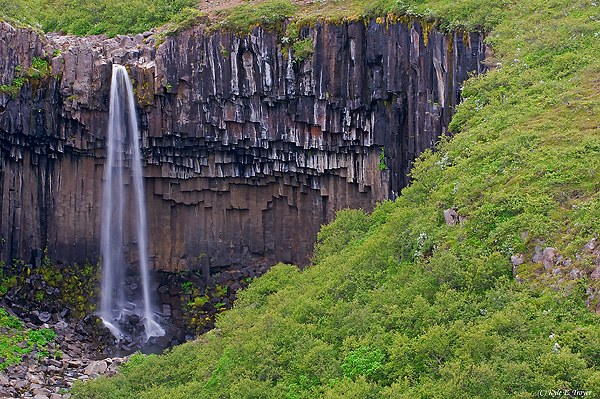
400,305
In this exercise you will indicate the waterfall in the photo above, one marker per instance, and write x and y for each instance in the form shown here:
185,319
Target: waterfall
124,213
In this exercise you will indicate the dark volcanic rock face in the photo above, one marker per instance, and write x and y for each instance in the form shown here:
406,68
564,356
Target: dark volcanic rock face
247,152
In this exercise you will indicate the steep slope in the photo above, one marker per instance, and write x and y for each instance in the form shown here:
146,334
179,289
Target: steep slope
404,303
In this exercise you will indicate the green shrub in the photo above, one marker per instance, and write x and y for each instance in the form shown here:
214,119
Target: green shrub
349,226
40,69
14,88
362,361
303,49
382,165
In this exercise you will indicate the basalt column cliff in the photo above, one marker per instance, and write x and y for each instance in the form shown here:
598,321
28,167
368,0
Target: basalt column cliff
246,150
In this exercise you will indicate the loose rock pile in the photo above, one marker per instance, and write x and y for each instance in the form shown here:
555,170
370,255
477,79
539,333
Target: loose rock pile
560,271
73,356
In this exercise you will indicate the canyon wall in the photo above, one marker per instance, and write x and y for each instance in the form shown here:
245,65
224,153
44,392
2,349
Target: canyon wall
247,151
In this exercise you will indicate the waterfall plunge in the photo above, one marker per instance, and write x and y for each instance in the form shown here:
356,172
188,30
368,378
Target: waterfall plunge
123,201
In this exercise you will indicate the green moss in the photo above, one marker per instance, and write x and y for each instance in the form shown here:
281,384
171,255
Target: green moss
39,70
75,287
185,19
270,15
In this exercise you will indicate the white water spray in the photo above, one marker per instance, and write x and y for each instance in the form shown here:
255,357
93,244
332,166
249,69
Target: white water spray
123,201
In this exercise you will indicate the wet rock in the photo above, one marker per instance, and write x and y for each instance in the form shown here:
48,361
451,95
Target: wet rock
128,290
44,316
163,289
166,310
235,287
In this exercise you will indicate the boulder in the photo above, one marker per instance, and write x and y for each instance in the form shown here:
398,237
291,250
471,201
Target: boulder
590,245
538,255
548,256
450,216
96,368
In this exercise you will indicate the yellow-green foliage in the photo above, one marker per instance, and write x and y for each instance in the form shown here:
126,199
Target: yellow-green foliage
73,286
78,285
114,17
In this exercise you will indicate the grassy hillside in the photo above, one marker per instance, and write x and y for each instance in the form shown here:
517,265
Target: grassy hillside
90,17
400,305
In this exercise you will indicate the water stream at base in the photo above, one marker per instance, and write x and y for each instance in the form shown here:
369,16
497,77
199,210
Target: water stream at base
124,215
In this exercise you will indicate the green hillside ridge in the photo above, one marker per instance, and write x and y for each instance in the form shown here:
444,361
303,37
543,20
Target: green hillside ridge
398,304
113,17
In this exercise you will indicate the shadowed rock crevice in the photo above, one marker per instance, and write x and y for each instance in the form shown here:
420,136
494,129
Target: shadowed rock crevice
247,152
